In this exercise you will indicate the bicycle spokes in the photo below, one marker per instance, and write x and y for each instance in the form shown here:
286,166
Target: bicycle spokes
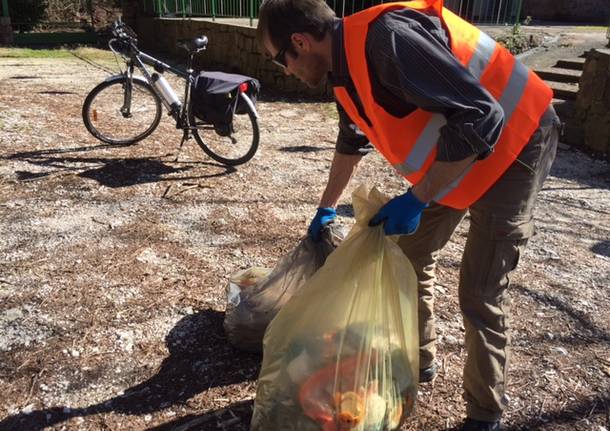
116,115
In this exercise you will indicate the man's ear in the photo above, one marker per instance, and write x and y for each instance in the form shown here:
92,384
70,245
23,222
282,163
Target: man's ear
301,42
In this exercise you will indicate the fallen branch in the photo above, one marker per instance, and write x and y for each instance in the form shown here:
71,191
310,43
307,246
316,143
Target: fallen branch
184,189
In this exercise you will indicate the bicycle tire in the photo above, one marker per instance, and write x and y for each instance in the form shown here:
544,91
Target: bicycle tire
138,84
252,148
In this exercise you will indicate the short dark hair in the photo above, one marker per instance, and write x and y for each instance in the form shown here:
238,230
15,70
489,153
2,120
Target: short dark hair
279,19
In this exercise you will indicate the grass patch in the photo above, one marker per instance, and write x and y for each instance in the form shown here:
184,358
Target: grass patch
90,53
330,110
590,28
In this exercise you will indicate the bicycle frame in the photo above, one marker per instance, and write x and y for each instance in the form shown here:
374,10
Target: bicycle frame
230,138
138,59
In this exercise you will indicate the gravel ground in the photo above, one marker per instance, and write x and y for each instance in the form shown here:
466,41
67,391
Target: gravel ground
113,263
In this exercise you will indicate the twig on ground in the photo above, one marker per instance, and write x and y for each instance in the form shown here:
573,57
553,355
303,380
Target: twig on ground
599,358
433,385
32,385
166,191
210,416
166,195
27,361
592,410
541,409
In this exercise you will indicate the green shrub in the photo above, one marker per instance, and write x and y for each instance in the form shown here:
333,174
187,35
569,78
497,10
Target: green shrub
516,42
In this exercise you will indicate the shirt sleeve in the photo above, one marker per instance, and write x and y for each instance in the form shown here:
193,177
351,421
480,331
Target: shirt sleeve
351,140
409,54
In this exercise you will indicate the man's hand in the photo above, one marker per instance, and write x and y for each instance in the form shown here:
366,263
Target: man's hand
323,217
401,215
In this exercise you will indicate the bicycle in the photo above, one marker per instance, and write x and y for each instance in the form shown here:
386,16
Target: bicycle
125,109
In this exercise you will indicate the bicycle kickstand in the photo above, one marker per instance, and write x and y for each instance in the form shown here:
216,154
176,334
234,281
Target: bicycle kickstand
185,137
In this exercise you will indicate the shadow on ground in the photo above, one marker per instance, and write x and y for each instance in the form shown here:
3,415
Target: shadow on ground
304,149
587,331
241,413
223,419
585,170
109,172
575,413
200,358
602,248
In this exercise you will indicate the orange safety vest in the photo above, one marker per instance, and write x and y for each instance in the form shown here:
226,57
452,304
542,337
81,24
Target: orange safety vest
409,143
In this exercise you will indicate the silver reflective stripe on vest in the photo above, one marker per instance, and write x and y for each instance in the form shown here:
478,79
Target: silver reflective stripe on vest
514,90
426,142
444,192
482,55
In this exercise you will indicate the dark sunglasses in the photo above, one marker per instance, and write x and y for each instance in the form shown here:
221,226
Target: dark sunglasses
280,57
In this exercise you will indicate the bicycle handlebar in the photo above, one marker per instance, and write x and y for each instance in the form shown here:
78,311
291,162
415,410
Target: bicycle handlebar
127,40
123,32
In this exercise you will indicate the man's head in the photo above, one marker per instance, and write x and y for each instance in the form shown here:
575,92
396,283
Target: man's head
296,35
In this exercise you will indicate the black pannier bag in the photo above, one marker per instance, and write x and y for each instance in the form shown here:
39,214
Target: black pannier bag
215,98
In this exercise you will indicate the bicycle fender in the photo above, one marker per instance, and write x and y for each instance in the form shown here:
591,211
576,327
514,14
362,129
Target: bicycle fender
120,77
250,104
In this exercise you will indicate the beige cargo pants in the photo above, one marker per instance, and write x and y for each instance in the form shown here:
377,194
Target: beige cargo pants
500,225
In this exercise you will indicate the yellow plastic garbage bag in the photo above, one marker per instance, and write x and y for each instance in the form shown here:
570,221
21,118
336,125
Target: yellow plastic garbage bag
342,354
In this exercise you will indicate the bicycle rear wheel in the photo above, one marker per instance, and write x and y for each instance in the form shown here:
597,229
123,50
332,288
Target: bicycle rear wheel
240,144
117,119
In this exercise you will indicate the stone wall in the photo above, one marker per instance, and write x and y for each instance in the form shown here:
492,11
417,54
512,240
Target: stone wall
6,31
592,108
232,48
594,11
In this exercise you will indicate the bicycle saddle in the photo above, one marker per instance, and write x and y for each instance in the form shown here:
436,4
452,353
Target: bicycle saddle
200,42
196,44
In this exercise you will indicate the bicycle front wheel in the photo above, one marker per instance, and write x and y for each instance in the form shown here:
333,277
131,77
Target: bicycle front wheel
232,147
121,114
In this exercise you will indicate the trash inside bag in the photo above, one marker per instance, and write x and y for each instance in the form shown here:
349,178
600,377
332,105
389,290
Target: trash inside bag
255,295
343,353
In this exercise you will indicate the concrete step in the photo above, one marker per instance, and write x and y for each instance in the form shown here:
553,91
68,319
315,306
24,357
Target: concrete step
564,90
577,63
556,74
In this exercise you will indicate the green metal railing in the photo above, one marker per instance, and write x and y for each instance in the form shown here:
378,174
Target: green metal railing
201,8
477,11
487,11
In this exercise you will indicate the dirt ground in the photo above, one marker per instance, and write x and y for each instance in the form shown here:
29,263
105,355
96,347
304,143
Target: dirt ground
113,264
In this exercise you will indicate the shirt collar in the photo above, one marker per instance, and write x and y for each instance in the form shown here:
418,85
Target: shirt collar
339,75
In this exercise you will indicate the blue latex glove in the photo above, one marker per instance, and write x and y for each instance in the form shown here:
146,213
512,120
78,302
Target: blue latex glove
401,215
323,217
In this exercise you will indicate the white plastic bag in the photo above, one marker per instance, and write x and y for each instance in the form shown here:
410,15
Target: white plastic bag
255,295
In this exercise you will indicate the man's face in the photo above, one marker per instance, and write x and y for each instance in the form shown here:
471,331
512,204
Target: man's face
300,59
